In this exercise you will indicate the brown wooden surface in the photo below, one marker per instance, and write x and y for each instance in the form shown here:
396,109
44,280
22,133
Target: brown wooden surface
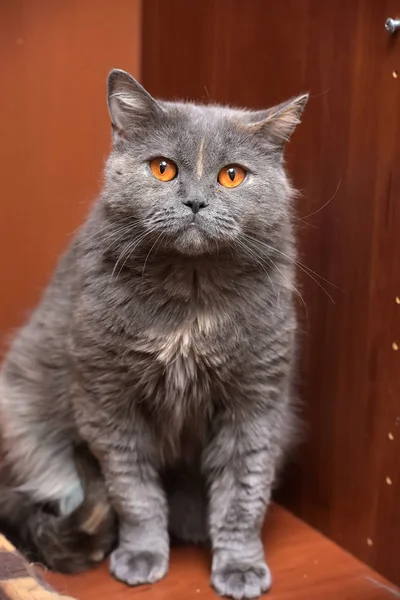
346,155
305,566
54,130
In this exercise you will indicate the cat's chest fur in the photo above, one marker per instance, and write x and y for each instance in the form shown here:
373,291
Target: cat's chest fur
187,341
181,357
179,354
177,370
172,339
182,331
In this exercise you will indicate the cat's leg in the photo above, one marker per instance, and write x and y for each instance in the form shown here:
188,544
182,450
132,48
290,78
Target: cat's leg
240,463
128,462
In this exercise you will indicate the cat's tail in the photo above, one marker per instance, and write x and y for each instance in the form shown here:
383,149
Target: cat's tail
67,544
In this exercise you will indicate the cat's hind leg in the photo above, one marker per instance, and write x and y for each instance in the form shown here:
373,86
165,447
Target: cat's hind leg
67,543
40,466
52,498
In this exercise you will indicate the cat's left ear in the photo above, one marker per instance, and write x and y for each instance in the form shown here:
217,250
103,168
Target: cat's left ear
129,104
278,123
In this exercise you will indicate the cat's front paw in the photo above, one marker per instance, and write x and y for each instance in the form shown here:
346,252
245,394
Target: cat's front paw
136,568
241,580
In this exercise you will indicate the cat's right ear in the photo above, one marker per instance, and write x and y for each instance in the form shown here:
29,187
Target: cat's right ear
129,104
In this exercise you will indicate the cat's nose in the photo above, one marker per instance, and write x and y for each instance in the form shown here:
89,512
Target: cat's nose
195,205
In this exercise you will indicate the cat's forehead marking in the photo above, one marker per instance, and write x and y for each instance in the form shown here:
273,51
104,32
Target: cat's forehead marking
200,160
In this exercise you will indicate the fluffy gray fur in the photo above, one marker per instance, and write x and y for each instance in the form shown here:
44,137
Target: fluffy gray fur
166,340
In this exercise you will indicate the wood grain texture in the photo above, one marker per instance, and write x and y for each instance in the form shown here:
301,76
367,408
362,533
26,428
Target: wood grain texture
54,130
305,566
345,159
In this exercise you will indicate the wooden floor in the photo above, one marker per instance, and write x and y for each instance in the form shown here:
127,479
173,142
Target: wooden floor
305,566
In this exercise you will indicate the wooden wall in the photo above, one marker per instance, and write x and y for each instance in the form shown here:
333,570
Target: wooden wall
345,158
54,129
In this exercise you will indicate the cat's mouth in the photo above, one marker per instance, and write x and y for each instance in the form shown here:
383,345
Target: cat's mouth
192,236
193,221
190,218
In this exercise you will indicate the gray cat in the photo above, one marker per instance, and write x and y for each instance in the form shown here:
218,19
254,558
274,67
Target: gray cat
166,339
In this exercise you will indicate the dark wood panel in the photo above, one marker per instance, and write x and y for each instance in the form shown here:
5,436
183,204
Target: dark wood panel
54,130
305,566
345,159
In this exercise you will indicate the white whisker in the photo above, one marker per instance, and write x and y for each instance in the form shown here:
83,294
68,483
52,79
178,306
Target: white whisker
149,252
251,253
103,229
290,284
129,250
300,265
324,205
126,252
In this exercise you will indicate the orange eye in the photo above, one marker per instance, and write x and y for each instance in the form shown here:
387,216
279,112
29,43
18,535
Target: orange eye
163,169
231,176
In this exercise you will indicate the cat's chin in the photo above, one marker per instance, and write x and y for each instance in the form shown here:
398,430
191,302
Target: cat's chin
191,241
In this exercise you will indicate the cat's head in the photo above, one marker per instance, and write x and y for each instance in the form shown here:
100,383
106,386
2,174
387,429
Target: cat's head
197,177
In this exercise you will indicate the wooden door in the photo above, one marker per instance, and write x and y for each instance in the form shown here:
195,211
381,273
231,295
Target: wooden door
345,158
54,130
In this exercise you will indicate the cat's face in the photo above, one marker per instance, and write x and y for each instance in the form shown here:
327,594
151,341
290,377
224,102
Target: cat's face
197,178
